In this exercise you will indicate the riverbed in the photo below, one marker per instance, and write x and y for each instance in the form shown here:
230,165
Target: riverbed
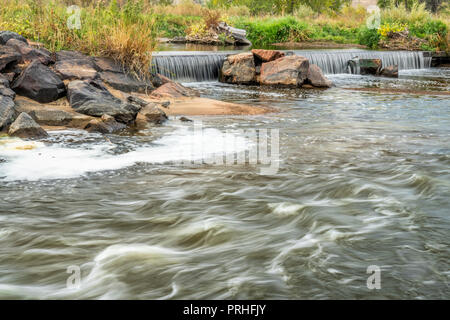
362,179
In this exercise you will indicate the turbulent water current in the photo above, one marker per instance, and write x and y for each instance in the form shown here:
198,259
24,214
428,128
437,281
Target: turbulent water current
361,179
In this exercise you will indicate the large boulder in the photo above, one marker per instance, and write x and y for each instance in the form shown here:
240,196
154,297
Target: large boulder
90,97
285,71
52,115
7,35
390,71
76,69
106,124
150,114
7,112
316,78
174,90
25,127
239,69
125,82
267,55
30,53
108,64
8,56
39,83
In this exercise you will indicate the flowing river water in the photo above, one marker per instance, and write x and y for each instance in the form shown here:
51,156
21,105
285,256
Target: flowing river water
363,180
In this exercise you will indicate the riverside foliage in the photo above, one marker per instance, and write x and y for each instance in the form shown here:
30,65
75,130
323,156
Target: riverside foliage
127,29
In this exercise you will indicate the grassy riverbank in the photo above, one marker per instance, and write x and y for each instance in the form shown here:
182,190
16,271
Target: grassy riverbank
127,30
346,25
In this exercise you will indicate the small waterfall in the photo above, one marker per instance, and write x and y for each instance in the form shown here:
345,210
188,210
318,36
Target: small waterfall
189,66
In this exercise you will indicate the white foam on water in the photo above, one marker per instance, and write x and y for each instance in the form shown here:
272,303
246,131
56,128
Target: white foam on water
35,160
285,209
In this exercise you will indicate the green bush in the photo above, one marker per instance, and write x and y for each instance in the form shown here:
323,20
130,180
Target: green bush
268,31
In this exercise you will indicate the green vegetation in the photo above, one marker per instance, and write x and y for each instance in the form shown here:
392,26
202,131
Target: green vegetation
122,32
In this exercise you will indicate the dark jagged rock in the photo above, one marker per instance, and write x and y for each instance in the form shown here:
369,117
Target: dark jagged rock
39,83
9,76
5,89
184,119
285,71
25,127
125,82
7,112
92,98
106,124
76,69
8,56
239,69
30,53
150,114
52,115
316,78
107,64
390,71
174,90
7,35
370,66
239,35
116,76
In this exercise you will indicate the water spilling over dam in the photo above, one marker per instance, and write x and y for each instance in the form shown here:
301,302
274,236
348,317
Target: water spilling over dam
197,66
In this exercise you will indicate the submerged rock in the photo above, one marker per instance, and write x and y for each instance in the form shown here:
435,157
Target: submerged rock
92,98
30,53
239,69
7,112
286,71
39,83
390,71
25,127
7,35
106,124
76,69
316,78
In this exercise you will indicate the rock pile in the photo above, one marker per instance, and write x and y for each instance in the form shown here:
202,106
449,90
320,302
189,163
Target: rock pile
85,84
272,67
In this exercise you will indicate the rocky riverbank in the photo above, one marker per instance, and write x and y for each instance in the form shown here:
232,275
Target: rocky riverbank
68,89
273,68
